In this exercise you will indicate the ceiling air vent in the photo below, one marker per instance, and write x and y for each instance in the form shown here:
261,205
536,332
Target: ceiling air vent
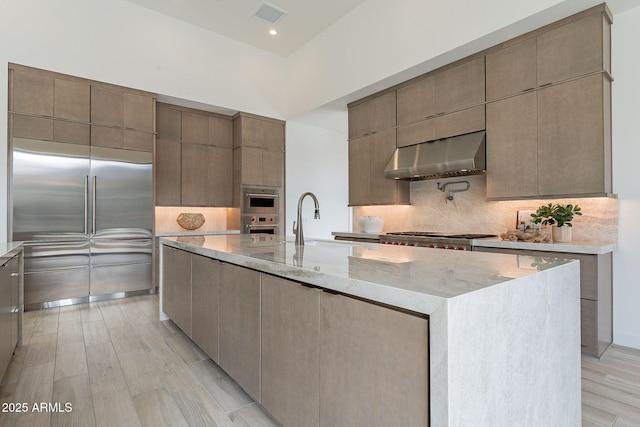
269,13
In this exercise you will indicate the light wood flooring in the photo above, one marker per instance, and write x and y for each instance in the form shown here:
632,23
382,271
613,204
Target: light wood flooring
119,366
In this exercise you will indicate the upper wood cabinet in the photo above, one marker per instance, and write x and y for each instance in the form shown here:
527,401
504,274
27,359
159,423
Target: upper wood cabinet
32,92
574,137
416,101
511,70
575,49
368,157
373,115
113,106
194,159
460,87
553,142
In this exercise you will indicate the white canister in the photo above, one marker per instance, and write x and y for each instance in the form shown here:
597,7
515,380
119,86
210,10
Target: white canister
371,224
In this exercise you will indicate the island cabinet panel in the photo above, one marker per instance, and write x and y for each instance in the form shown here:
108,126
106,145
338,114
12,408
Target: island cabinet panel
239,327
205,287
8,311
374,365
290,351
574,137
575,49
176,287
512,146
511,70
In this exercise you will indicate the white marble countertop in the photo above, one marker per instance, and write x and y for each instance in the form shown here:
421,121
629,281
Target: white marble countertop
418,279
194,233
576,246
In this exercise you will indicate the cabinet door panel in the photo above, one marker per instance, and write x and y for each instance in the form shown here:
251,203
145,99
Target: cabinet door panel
195,175
272,167
372,354
106,137
571,138
460,87
138,141
273,136
382,113
221,132
460,122
416,133
290,352
251,132
573,50
359,121
176,287
32,93
359,171
138,112
512,147
72,100
383,190
195,128
205,288
32,127
107,106
168,171
417,101
511,70
251,164
73,133
220,188
169,123
239,326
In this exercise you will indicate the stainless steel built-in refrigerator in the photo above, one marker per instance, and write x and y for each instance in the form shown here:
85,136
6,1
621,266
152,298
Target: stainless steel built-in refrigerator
86,216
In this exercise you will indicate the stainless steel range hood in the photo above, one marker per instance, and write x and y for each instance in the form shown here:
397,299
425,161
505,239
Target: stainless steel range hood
455,156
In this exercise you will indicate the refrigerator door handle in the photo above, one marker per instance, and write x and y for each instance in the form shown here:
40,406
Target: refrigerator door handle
93,205
86,204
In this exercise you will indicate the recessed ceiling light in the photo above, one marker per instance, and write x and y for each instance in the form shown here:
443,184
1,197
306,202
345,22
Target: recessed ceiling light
273,31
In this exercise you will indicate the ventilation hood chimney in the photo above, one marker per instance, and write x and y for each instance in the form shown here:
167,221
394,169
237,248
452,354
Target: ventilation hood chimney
443,158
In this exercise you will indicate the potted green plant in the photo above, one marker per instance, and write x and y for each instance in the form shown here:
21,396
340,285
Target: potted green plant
559,217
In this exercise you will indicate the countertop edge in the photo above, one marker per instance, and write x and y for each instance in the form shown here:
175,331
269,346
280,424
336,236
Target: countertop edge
194,233
577,247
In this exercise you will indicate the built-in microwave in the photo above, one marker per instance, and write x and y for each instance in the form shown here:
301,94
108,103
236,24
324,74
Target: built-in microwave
260,201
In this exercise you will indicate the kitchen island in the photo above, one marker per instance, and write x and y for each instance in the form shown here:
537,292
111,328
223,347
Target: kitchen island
503,344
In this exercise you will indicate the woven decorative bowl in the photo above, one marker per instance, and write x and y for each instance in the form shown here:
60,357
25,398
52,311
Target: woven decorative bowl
190,221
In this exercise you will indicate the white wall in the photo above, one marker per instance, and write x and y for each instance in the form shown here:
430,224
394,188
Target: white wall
626,153
317,161
121,43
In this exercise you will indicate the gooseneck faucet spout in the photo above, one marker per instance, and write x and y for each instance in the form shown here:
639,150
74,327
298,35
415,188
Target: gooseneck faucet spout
297,225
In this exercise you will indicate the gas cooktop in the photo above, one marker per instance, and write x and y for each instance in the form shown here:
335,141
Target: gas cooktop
440,234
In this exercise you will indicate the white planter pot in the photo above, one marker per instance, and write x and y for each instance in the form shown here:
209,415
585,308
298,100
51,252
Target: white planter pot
561,234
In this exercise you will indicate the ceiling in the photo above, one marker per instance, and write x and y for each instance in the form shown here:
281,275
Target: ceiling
233,18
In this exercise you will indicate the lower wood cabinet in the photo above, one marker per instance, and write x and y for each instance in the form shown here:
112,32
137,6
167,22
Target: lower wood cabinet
290,351
205,295
9,307
596,298
239,327
309,357
374,365
176,287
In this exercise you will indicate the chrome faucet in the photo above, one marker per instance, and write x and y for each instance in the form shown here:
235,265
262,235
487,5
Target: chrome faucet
297,225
